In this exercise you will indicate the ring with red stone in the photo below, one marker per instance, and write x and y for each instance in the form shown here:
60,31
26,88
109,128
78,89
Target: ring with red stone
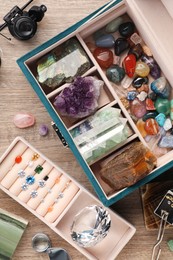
18,159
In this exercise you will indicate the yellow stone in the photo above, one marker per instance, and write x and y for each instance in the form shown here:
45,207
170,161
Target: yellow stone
142,69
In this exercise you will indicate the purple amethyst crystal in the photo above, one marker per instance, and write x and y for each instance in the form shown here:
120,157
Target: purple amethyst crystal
80,98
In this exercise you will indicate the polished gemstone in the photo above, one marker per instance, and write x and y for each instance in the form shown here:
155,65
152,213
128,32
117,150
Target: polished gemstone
30,179
139,81
137,108
150,104
155,71
161,87
121,45
151,114
144,88
38,169
126,82
142,96
46,178
129,64
24,120
21,173
114,25
160,118
152,96
168,124
136,50
148,60
43,130
151,126
18,159
104,57
125,102
162,105
166,141
141,127
131,95
90,226
115,73
126,29
105,41
142,69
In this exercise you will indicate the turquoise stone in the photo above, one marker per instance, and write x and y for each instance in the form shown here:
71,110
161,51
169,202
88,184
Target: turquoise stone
162,106
160,118
166,141
115,73
105,41
114,25
148,115
161,87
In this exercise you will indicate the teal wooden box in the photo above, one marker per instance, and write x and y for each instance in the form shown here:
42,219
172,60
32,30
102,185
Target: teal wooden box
145,17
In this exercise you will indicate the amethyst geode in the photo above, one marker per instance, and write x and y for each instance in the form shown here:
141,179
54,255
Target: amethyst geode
80,98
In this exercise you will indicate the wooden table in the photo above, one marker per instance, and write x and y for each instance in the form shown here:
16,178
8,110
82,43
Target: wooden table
17,95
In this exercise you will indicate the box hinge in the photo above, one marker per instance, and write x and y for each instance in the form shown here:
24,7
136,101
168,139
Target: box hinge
58,132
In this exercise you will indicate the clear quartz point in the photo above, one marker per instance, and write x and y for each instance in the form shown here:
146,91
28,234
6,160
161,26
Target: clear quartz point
90,226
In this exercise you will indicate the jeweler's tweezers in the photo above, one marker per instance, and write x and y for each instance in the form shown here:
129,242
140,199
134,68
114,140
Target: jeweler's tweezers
157,249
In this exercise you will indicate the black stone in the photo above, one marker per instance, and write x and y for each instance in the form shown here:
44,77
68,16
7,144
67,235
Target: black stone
171,131
126,29
152,96
152,114
139,81
136,50
121,45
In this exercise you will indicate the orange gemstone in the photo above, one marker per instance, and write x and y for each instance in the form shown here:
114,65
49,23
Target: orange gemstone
35,156
151,126
50,209
18,159
129,64
104,57
141,127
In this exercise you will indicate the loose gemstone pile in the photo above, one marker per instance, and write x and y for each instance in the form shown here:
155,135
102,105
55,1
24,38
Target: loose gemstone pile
129,63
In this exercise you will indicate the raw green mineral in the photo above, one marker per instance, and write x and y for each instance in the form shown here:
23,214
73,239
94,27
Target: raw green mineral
170,244
63,64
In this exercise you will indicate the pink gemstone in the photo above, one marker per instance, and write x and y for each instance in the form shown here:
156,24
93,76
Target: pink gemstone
23,120
137,108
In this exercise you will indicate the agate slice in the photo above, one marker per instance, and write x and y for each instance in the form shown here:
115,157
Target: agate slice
63,64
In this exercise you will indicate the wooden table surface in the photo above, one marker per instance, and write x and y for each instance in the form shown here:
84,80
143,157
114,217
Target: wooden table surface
17,95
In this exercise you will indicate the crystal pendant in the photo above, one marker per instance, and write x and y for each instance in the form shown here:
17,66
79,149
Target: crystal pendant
90,226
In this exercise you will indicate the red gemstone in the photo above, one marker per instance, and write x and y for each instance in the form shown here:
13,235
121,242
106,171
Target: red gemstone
104,57
18,159
129,64
151,126
150,104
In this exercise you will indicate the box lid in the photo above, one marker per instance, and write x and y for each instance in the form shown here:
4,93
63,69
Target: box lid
169,6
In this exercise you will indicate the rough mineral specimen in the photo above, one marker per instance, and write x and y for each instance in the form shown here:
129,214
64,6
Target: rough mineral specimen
63,64
80,98
128,167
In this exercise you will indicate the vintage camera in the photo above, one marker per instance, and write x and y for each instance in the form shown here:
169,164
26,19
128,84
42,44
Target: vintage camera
22,24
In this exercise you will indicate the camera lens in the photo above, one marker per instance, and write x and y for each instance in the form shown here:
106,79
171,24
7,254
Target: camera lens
25,28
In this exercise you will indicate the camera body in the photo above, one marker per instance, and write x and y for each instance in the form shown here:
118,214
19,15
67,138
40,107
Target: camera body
22,24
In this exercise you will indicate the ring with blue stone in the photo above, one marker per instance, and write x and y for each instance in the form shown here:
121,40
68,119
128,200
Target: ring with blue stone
30,179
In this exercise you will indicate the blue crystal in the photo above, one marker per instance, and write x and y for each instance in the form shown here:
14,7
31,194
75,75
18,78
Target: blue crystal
160,118
30,179
166,142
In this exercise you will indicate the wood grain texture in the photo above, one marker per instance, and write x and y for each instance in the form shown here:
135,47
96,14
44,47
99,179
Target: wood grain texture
17,95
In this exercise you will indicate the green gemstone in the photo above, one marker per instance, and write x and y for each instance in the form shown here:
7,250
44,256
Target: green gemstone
38,169
162,106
